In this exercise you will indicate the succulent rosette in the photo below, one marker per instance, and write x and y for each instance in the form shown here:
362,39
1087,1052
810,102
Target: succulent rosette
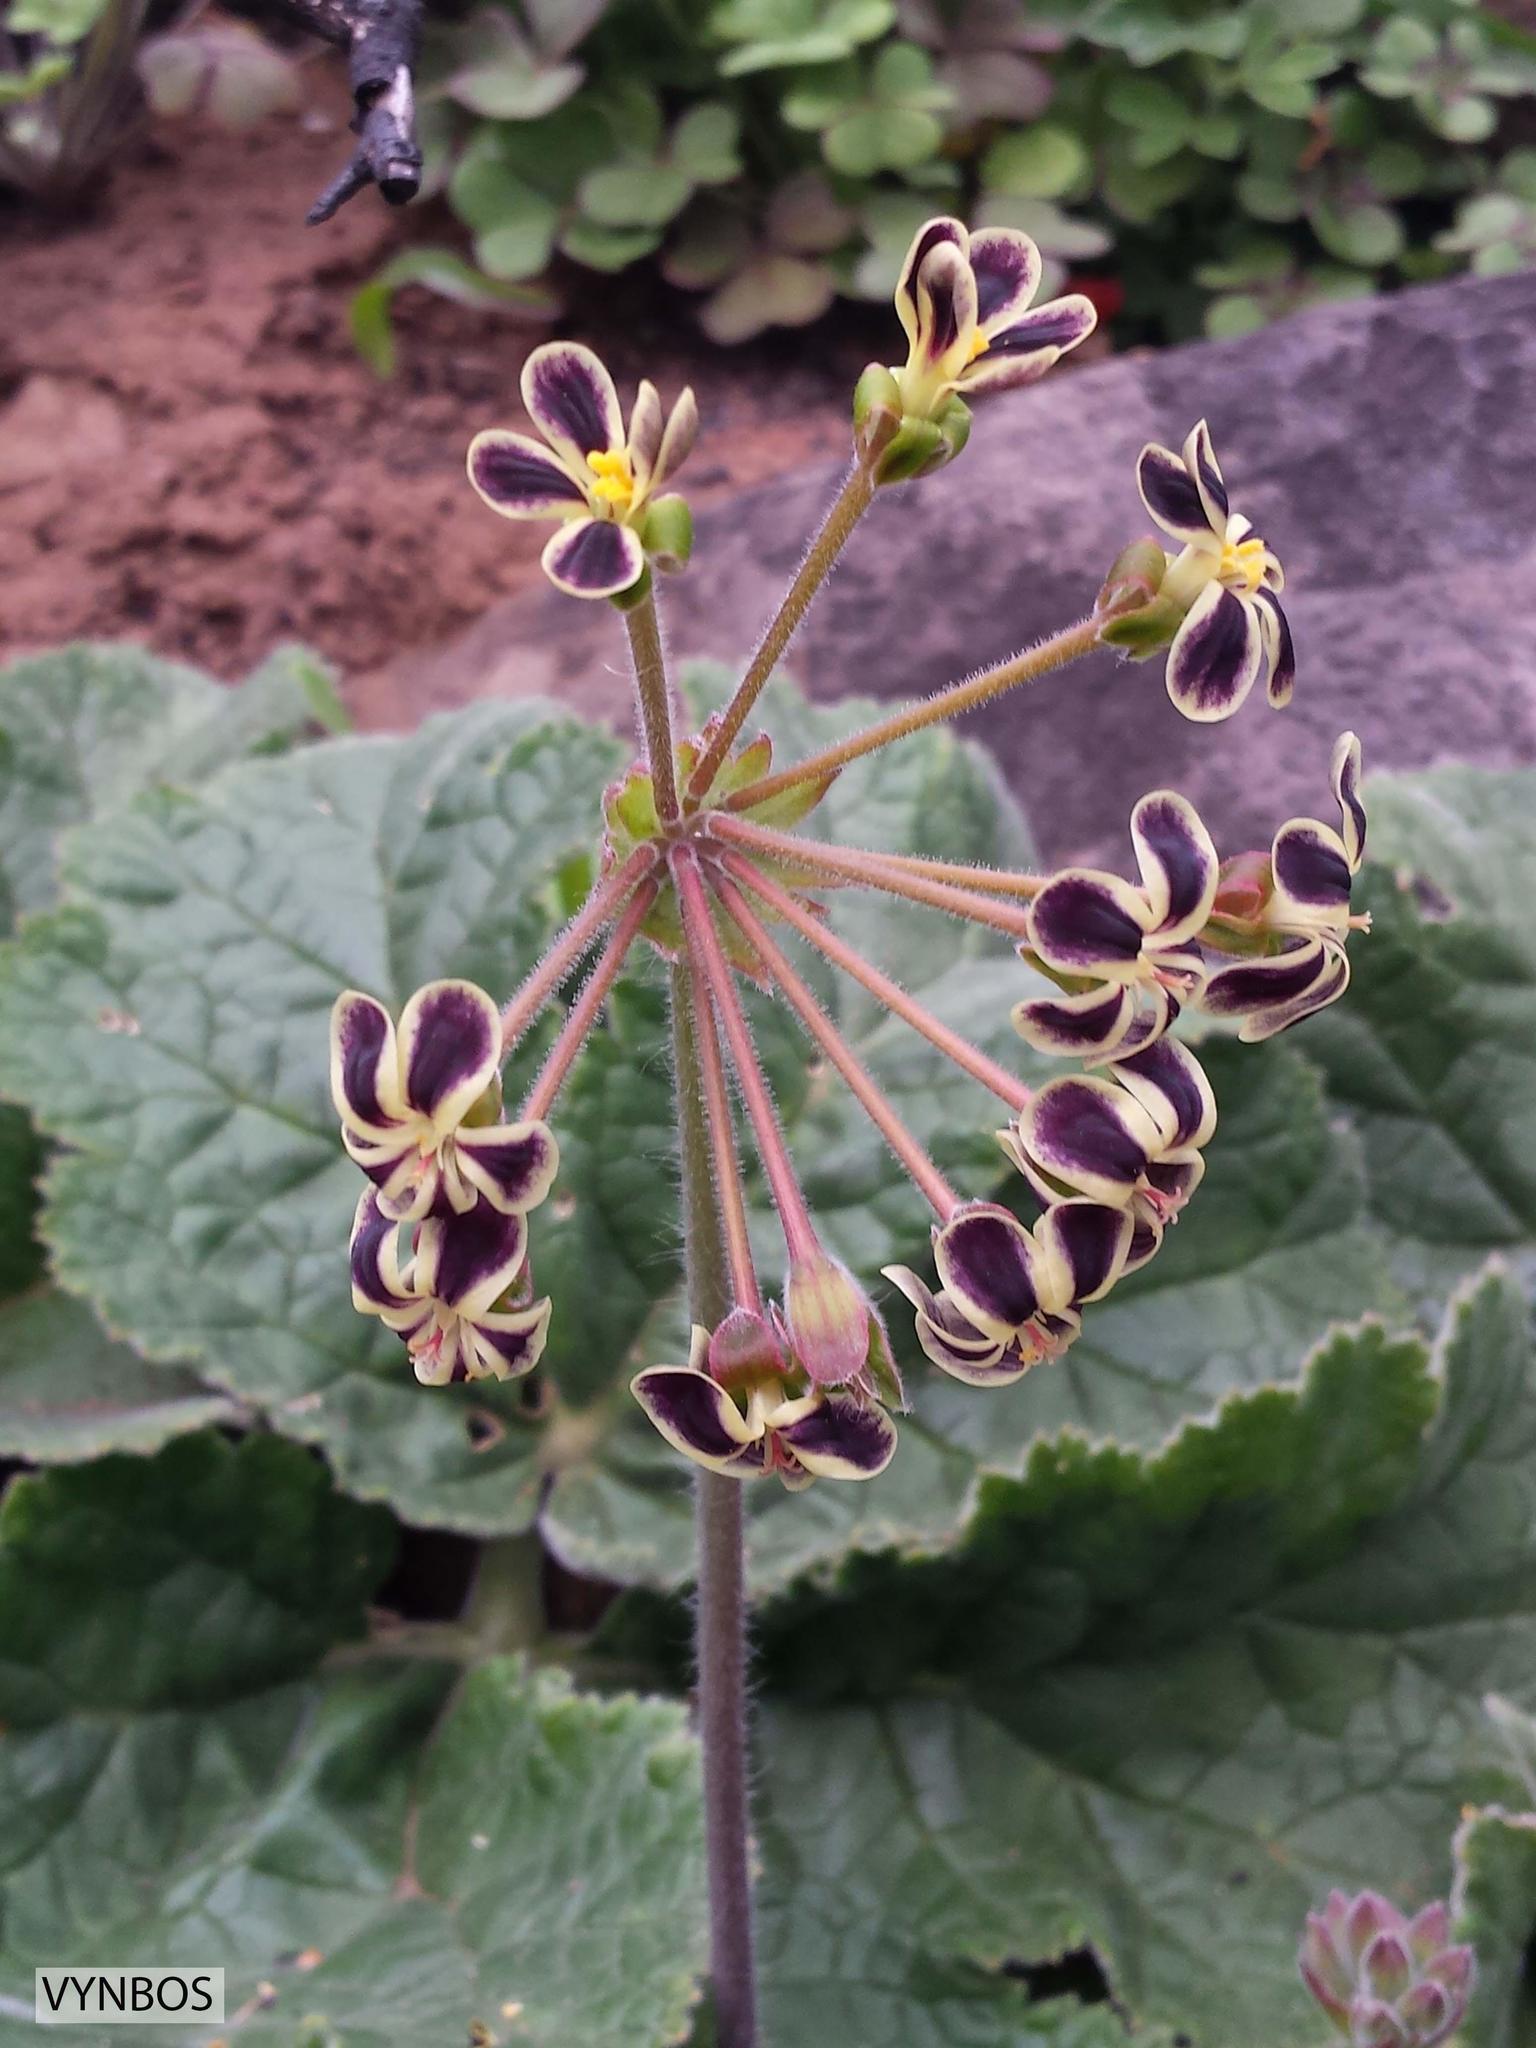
1134,1142
599,480
1290,915
1011,1295
418,1105
1384,1980
460,1302
1225,580
1123,956
744,1406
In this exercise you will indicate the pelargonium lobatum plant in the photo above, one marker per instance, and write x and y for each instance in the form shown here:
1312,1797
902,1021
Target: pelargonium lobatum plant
706,858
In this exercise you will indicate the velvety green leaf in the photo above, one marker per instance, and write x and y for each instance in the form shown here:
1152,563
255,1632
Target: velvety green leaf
171,1024
69,1392
1433,1049
445,273
1495,1901
21,1256
1163,1702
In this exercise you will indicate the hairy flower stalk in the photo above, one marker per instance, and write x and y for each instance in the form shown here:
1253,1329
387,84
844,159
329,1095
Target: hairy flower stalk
704,860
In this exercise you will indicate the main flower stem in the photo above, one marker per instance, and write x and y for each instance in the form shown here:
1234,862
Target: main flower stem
568,948
1054,653
969,1058
871,871
910,1156
721,1613
848,508
644,627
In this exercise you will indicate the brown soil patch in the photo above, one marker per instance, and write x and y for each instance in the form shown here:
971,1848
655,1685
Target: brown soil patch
191,453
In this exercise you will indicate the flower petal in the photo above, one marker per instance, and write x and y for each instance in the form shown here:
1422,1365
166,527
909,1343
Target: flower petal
1056,326
1171,1086
990,1268
1344,774
377,1281
946,308
1312,875
1147,1229
943,1332
521,480
930,236
842,1438
1249,986
405,1177
677,442
571,400
593,558
469,1262
646,423
1089,1241
365,1067
505,1345
512,1165
1279,648
1087,922
1085,1026
1178,864
450,1050
1172,496
1215,656
1329,986
698,1418
1090,1135
1006,264
1201,464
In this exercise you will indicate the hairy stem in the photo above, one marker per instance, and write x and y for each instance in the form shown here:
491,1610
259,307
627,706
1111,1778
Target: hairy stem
848,508
704,943
871,871
721,1617
969,1058
910,1156
644,627
576,1029
984,881
568,948
944,704
722,1138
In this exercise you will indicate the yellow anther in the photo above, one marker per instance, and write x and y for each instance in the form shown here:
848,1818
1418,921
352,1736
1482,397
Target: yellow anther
615,479
1242,564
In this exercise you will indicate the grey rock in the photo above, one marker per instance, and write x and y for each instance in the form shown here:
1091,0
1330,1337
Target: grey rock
1386,449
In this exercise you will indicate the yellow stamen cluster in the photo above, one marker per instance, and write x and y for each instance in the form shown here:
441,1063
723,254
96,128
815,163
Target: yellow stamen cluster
1242,564
615,479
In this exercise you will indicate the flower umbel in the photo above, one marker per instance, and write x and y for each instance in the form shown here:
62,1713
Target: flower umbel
419,1107
597,480
1226,582
1384,1980
1290,915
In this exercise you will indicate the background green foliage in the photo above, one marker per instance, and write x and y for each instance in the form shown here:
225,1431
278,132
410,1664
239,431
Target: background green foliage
1143,1654
1224,162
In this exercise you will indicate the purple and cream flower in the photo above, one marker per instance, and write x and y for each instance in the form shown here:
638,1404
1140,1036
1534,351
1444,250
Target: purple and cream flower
1384,1980
599,481
418,1105
964,301
1010,1296
1123,956
460,1302
1290,915
1226,581
1135,1142
743,1406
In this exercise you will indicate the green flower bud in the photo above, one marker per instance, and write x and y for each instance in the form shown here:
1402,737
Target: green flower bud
667,532
876,411
1135,577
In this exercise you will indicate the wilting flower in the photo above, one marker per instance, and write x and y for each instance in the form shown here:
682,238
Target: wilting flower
1384,1980
600,483
461,1301
418,1105
1134,1142
1227,578
743,1405
1296,900
1011,1296
1123,955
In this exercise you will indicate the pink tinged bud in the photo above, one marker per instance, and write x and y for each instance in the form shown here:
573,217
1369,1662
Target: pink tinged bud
1243,889
828,1320
1386,1968
744,1350
1365,1918
1324,1971
1455,1970
1135,577
1430,1931
1374,2025
1428,2015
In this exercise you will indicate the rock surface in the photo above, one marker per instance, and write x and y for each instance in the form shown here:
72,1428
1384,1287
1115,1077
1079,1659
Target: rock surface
1387,451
